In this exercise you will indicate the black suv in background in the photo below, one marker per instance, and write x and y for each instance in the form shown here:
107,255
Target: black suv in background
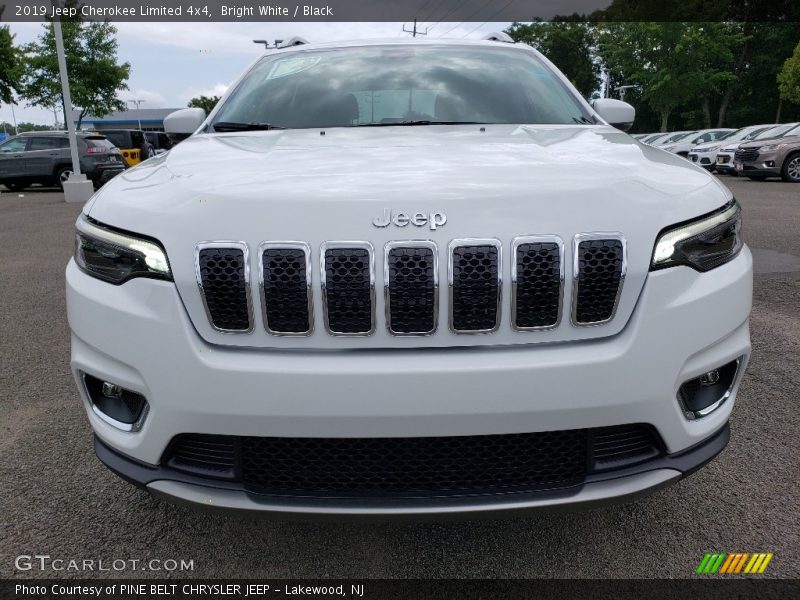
43,157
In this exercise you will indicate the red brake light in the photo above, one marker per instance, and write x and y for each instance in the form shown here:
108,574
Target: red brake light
94,150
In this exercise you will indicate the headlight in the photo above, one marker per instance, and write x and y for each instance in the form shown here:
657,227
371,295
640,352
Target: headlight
770,147
117,257
703,244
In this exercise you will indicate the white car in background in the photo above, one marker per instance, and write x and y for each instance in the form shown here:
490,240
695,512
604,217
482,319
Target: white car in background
655,138
705,154
724,162
682,146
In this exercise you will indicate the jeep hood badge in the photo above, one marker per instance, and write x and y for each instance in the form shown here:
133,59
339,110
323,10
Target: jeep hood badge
419,219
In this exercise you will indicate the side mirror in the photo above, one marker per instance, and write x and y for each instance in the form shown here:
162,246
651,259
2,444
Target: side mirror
184,121
616,113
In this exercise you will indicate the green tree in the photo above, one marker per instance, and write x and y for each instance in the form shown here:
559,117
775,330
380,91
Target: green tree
95,76
789,78
8,66
207,103
569,43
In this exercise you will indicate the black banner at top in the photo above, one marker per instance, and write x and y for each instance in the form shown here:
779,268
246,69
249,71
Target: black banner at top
429,11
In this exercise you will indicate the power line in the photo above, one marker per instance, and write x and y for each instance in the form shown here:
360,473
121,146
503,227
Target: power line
472,14
447,14
489,19
437,4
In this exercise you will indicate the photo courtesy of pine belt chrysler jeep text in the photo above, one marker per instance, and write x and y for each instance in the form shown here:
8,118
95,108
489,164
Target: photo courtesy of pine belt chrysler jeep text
404,278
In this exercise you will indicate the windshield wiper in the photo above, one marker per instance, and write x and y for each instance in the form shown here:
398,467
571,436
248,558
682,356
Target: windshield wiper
419,122
584,120
233,126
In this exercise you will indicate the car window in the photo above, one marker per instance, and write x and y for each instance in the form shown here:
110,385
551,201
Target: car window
14,145
45,143
384,85
119,138
99,142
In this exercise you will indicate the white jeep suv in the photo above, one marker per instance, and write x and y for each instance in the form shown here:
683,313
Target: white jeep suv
406,277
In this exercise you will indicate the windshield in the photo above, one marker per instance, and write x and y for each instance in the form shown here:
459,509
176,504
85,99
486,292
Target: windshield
386,85
793,131
774,132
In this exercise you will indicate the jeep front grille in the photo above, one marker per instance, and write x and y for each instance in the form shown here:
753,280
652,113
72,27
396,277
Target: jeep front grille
411,300
286,288
222,274
348,288
475,267
599,272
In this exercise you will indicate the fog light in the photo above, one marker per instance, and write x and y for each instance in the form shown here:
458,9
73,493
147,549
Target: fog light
770,163
704,394
710,378
117,406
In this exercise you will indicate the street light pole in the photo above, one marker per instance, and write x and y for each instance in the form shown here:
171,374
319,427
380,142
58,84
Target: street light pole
77,188
138,117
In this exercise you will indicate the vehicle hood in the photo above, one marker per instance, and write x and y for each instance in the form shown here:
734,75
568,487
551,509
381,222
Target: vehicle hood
792,139
497,181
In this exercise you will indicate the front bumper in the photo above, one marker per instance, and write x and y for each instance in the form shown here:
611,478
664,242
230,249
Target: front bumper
139,336
611,487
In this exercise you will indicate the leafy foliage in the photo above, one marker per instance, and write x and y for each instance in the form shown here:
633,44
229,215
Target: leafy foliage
789,77
207,103
8,66
95,76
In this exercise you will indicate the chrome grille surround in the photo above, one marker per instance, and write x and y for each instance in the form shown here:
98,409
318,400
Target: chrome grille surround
387,280
223,245
534,239
590,237
458,243
324,247
287,245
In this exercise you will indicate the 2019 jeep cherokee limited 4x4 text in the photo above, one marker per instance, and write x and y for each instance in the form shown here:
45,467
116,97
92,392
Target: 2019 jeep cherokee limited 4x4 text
408,277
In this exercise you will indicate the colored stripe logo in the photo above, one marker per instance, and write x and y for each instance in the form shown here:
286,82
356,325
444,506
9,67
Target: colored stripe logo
723,563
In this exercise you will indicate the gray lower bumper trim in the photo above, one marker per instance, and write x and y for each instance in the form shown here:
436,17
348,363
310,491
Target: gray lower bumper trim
591,493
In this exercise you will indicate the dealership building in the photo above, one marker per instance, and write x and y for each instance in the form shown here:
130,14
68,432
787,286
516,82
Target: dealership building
148,119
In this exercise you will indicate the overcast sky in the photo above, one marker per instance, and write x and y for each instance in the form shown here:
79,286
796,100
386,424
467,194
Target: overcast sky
172,62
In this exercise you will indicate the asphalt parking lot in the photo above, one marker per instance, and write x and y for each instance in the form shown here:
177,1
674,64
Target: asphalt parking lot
58,500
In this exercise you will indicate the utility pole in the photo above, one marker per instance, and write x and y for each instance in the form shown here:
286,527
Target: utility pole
414,32
138,117
13,116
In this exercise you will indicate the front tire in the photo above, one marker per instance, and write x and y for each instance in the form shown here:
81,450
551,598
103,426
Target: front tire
791,168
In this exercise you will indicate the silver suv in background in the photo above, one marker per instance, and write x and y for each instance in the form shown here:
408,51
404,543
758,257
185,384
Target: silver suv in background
705,154
43,157
724,162
774,157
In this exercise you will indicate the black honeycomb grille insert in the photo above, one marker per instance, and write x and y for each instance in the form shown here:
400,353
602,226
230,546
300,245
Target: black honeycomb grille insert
402,466
412,290
538,287
599,278
413,467
475,290
348,290
222,276
286,290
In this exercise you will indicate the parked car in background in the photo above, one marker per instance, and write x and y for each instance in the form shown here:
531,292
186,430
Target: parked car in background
770,157
43,157
159,141
655,138
673,138
724,162
682,146
705,154
132,143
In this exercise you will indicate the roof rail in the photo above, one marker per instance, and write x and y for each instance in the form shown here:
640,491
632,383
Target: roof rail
295,41
499,36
